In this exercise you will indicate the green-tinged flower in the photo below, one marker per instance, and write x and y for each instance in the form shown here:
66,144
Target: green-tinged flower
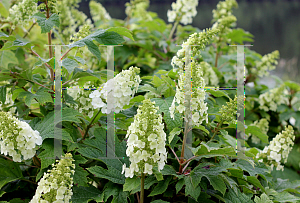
263,125
19,14
229,112
146,141
200,40
56,186
121,89
98,12
209,74
70,18
268,62
84,31
273,98
138,9
81,96
278,150
224,20
17,138
183,11
224,9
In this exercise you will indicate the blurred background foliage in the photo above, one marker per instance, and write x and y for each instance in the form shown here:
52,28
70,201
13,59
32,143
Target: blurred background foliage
274,24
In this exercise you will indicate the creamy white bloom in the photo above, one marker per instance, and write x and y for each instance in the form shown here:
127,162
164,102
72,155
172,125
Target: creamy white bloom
146,141
279,149
54,185
120,89
183,11
17,138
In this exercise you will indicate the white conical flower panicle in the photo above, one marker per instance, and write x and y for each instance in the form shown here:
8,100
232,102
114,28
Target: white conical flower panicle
198,106
278,150
146,141
183,11
17,138
273,98
56,186
121,88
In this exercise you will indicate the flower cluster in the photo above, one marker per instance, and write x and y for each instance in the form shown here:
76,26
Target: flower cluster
17,138
81,97
267,63
146,141
98,12
120,88
20,13
199,39
84,31
224,9
229,112
223,19
198,106
271,99
138,9
183,11
70,18
263,125
278,149
209,74
56,186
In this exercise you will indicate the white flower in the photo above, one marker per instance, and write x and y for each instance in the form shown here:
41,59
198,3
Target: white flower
185,9
54,184
148,168
21,144
145,146
119,89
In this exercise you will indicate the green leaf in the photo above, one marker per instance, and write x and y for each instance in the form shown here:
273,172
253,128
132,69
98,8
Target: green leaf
41,95
232,197
217,182
201,127
205,151
84,194
4,36
46,24
159,201
240,36
121,31
263,199
168,170
161,187
9,171
4,8
218,93
69,64
131,183
254,181
7,57
47,126
3,94
47,155
189,188
111,174
179,185
175,131
286,197
80,175
164,105
257,132
157,174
